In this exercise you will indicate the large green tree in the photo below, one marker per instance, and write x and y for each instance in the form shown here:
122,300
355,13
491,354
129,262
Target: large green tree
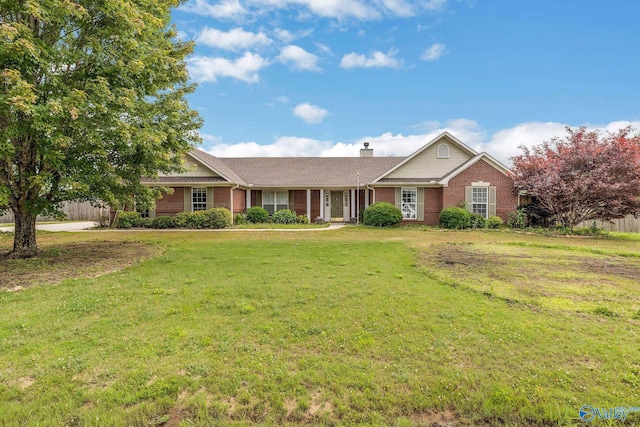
92,98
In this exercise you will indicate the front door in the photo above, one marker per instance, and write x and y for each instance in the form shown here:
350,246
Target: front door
336,205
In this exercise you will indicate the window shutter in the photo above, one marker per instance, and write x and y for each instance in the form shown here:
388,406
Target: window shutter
399,198
291,200
188,205
492,201
259,198
469,199
420,204
209,197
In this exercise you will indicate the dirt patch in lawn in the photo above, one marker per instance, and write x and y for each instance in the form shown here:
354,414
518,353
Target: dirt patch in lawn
73,260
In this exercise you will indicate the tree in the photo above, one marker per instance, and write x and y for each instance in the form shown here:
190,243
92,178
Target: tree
584,176
92,99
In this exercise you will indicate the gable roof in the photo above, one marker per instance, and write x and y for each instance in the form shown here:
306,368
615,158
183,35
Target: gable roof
309,171
443,135
216,165
481,156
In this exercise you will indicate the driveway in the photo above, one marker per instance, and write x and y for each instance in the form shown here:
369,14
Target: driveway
59,226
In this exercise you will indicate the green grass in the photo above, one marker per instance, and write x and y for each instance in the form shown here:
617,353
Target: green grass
280,226
346,327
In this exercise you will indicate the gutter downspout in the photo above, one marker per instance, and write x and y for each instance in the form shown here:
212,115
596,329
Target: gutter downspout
374,193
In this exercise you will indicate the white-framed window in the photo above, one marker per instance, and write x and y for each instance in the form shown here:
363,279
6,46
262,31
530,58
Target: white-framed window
274,201
409,205
198,199
443,151
480,201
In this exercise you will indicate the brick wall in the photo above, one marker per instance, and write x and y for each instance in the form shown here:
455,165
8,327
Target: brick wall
506,195
299,202
222,197
171,204
315,205
386,194
432,205
239,200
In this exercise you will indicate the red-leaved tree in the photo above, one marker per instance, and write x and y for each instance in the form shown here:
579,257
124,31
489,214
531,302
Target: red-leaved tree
584,176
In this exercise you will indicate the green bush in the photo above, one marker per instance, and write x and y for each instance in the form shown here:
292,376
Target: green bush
284,216
302,219
127,220
477,221
382,214
455,217
517,219
162,222
494,222
257,215
241,218
218,218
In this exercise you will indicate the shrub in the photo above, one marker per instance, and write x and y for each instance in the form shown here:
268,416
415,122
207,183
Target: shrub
257,215
477,221
494,222
129,220
455,217
302,219
162,222
241,218
285,216
218,218
382,214
181,219
517,219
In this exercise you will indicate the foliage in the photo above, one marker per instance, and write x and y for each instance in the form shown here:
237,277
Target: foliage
477,221
494,222
284,216
584,176
303,219
382,214
517,218
241,219
128,220
455,217
257,215
162,222
210,218
536,214
93,95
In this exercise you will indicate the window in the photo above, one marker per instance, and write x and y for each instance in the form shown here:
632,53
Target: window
409,203
274,201
480,201
443,151
199,199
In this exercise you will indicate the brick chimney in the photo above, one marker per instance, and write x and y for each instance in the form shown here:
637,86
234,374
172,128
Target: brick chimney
366,151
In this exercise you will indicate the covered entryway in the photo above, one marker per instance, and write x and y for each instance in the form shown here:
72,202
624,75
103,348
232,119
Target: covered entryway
337,213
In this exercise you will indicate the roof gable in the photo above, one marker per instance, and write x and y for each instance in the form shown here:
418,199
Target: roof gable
425,162
481,156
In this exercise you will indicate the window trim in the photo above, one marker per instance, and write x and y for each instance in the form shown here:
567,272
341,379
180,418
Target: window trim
276,201
414,190
202,201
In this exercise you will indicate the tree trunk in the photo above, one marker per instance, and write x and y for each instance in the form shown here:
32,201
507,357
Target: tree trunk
24,239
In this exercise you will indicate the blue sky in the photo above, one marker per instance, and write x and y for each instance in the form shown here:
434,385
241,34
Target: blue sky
320,77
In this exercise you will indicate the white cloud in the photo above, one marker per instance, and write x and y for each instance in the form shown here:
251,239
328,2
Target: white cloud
323,48
245,68
501,145
400,8
299,59
287,36
235,39
434,5
310,113
434,52
284,99
339,8
376,60
230,9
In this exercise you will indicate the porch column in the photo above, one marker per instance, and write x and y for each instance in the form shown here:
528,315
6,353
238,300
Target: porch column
366,197
231,199
353,203
248,194
322,204
309,206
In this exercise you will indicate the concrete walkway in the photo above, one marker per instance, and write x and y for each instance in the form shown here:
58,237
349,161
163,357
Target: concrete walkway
58,226
88,225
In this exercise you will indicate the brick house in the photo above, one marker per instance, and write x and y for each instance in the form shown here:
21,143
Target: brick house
444,172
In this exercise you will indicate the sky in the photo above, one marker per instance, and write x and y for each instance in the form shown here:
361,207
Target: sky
320,77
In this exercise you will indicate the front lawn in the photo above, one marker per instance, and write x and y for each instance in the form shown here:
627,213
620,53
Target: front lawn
345,327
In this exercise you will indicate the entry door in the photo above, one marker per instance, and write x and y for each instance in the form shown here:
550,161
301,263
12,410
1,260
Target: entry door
336,205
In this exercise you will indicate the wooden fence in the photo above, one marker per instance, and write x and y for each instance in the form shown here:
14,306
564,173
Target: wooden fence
628,224
75,211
